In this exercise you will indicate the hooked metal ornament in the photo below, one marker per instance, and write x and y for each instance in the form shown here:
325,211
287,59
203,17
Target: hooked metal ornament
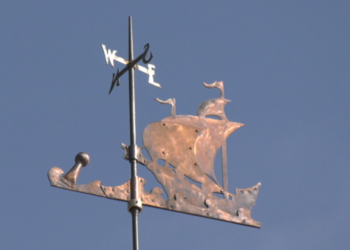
187,145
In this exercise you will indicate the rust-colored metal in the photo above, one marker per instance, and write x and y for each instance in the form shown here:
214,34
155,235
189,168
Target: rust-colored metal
187,146
81,160
236,210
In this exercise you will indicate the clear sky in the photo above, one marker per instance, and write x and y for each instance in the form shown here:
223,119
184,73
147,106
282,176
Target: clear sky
285,65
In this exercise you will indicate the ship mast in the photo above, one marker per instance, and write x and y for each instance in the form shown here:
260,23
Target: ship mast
224,168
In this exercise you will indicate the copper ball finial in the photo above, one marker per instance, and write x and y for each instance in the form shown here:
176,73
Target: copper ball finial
83,158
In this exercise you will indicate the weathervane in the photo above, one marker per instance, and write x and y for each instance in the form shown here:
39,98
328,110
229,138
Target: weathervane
182,150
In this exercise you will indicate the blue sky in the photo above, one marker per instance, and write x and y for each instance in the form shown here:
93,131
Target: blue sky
285,65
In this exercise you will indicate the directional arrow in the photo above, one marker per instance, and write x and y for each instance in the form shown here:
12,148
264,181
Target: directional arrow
111,56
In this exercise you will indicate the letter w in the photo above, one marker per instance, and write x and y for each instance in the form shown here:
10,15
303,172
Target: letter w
109,55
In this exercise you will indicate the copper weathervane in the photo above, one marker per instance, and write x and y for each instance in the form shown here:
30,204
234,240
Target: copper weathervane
182,149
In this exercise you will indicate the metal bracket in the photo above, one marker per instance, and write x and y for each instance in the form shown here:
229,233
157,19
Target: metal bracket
135,203
134,153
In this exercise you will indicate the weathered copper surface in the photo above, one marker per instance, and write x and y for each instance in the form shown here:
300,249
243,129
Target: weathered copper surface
182,148
213,207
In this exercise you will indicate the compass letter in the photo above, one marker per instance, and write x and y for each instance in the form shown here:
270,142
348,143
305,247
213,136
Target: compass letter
109,55
151,73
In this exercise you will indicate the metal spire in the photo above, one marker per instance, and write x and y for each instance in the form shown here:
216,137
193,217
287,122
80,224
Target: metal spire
133,148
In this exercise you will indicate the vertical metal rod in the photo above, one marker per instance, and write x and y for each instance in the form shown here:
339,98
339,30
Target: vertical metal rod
224,168
135,228
134,179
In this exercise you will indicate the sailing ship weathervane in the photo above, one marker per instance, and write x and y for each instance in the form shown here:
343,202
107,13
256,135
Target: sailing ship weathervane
181,147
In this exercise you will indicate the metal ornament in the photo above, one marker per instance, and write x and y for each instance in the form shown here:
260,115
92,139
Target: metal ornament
187,145
182,149
111,57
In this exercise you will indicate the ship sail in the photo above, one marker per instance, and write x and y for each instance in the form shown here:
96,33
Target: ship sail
190,144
